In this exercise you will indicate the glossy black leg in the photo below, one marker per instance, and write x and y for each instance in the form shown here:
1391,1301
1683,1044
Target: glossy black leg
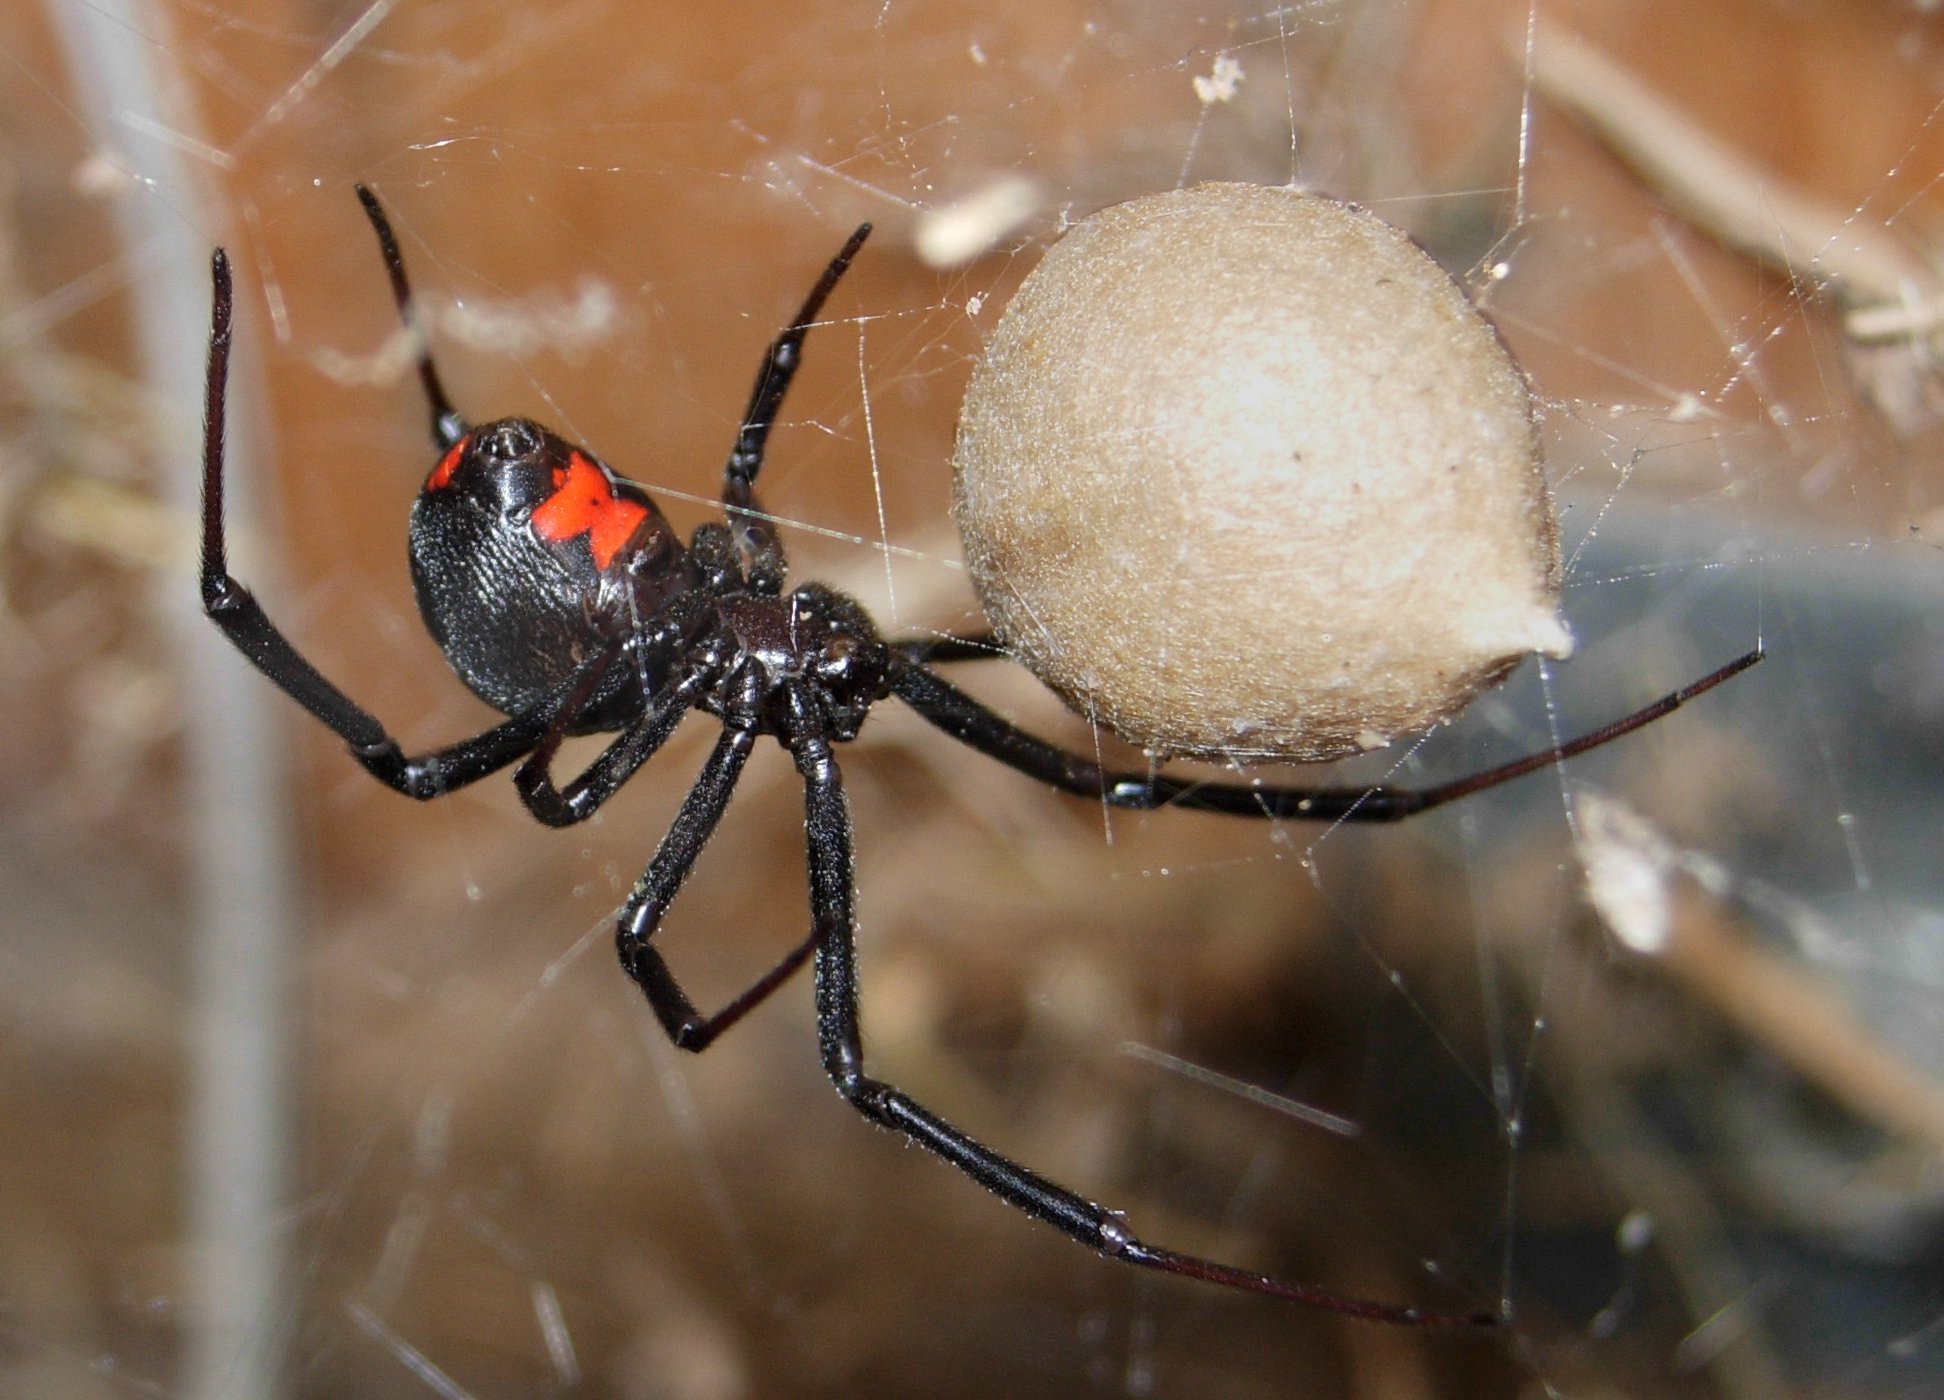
755,534
832,893
971,723
928,651
447,426
657,888
230,606
639,742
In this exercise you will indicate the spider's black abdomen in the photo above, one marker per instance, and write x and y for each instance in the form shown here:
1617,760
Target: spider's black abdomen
513,621
526,555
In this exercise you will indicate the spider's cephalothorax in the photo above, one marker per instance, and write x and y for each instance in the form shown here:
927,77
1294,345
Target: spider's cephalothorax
564,599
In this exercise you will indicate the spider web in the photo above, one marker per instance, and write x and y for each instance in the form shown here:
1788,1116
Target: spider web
1693,1156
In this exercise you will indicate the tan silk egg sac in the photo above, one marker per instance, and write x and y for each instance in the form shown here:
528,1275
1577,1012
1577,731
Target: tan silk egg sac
1245,474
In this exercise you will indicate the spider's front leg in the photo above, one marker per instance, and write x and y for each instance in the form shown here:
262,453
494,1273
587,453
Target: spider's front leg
948,647
976,726
230,606
832,897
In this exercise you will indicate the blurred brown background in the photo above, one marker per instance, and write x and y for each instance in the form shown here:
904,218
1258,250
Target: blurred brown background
501,1182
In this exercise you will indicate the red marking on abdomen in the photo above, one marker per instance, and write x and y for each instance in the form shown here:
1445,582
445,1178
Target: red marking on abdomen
448,464
584,503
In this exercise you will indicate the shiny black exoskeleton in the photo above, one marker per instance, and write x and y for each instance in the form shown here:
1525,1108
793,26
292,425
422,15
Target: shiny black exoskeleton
530,558
515,612
564,598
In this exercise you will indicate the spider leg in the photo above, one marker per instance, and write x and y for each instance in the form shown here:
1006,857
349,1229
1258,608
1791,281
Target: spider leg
832,895
447,426
657,888
755,534
581,798
230,606
971,723
929,651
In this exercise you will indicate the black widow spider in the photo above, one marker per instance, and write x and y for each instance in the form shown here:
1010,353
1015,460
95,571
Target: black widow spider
563,598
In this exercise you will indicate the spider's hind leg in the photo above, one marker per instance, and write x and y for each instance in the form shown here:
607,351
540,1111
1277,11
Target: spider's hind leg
447,426
229,605
754,532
